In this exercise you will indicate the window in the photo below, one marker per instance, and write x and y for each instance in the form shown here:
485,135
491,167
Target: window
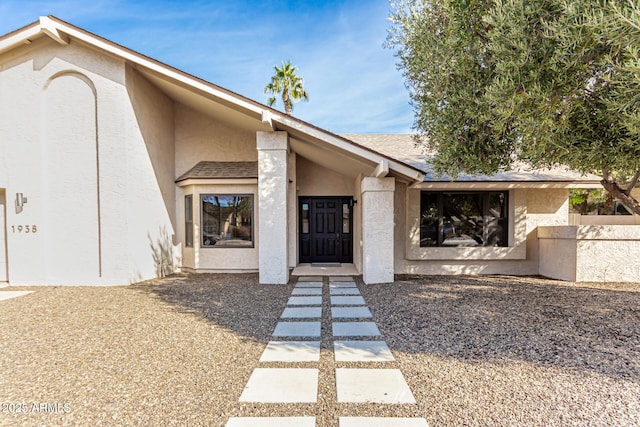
227,221
188,221
456,219
305,218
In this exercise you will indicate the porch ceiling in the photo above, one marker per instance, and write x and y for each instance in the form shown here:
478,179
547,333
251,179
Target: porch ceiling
340,162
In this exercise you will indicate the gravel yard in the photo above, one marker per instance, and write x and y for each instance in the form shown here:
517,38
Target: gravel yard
497,351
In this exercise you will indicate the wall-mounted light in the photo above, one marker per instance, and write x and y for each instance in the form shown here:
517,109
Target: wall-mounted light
20,202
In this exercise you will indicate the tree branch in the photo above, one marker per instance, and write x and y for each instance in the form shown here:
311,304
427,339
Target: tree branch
633,182
618,192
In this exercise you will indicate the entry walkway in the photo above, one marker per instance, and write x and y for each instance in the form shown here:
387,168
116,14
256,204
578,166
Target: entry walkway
356,338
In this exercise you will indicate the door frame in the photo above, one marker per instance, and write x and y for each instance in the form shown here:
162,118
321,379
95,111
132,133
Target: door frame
341,258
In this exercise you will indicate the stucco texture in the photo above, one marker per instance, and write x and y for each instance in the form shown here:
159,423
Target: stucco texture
86,148
528,209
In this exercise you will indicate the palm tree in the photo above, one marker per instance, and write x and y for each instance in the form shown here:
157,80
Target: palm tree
287,83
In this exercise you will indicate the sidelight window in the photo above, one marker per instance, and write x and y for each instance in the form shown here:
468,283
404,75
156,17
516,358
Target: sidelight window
188,221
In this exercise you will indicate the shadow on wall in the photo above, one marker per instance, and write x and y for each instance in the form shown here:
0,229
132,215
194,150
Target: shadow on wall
162,251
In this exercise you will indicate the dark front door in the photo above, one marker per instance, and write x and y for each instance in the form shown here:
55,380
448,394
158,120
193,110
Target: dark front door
325,229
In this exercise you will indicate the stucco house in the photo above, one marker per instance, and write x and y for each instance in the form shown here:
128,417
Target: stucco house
115,167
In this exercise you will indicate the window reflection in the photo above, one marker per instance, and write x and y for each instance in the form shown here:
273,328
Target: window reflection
305,218
227,221
463,219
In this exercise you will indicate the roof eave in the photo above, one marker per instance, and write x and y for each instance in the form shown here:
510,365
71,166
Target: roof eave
61,31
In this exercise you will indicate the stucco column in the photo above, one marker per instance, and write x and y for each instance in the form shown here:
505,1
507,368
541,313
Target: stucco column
377,229
273,183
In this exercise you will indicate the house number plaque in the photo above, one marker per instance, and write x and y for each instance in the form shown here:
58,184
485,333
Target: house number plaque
24,229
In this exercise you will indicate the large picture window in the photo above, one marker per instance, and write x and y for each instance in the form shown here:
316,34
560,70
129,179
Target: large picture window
463,219
227,221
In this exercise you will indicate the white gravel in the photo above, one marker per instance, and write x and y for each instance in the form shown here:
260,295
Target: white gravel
497,351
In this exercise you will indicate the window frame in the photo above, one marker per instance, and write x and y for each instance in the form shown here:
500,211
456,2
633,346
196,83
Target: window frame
188,222
485,195
253,237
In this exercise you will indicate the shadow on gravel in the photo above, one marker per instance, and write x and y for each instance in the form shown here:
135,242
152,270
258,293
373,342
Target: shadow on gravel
233,301
497,319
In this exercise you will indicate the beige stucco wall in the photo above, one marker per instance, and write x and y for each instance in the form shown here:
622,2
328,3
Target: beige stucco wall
528,208
3,235
85,140
590,253
217,259
315,180
200,137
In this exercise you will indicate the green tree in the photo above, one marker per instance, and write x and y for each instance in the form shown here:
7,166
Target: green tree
286,83
548,82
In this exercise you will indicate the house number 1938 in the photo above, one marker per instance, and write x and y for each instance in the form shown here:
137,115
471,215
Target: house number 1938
24,228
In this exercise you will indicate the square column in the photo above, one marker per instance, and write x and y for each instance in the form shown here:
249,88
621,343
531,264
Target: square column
377,229
273,184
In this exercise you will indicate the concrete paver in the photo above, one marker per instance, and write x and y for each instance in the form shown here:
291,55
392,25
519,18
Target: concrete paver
271,422
281,385
291,351
355,329
372,386
297,329
362,351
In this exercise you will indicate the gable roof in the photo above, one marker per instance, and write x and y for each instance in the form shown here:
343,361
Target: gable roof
403,148
305,138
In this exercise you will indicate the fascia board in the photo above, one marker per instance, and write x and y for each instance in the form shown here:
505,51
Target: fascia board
53,27
23,36
503,185
345,145
157,66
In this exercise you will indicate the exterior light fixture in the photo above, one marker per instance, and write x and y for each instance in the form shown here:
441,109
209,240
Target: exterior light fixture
20,202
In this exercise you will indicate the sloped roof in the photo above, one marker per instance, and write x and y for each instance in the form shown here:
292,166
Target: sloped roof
209,170
203,94
355,151
403,148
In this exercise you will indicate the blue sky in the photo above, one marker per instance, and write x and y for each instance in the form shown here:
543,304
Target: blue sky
352,80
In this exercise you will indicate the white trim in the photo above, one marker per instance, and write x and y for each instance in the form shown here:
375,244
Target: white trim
217,181
501,185
50,29
381,170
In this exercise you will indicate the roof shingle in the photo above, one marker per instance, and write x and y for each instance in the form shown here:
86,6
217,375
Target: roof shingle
208,170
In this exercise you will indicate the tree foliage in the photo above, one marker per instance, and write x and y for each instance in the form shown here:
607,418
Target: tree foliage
286,83
548,82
